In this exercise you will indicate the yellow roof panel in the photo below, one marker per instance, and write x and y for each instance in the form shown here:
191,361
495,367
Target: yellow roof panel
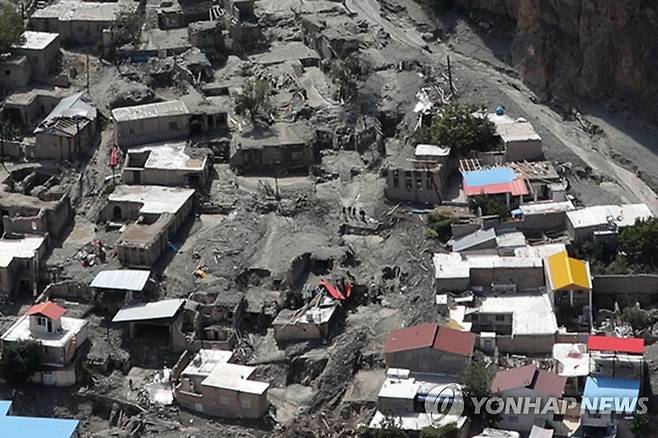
568,273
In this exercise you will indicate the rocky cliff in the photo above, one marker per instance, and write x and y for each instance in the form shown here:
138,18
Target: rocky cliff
605,50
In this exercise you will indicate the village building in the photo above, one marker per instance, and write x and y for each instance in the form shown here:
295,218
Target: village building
514,323
570,283
27,108
616,357
64,342
573,363
500,182
402,399
114,289
150,123
489,241
306,323
528,381
156,214
280,149
159,323
422,179
20,260
458,272
206,34
210,385
173,163
601,221
42,52
16,71
79,22
27,427
68,131
26,214
607,401
548,216
429,348
518,136
544,182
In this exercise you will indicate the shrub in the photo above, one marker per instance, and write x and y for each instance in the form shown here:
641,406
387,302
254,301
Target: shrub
20,360
11,27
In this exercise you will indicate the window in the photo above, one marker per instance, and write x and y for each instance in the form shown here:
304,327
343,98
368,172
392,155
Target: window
7,72
224,400
41,321
245,403
428,182
173,126
396,181
500,318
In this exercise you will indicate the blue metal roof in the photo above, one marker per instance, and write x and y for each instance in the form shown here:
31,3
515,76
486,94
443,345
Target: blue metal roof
611,394
32,427
495,175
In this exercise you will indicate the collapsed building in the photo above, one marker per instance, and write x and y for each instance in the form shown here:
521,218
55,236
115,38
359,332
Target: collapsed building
27,108
68,131
157,214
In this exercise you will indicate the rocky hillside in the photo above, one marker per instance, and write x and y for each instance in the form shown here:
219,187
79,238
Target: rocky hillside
604,50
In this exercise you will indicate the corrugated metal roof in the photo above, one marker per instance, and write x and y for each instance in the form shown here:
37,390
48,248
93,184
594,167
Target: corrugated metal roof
148,311
411,338
495,175
48,309
474,239
455,341
74,106
150,111
567,273
515,187
602,392
32,427
121,279
619,345
529,377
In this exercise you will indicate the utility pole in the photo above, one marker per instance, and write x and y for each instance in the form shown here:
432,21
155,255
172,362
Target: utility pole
452,88
87,62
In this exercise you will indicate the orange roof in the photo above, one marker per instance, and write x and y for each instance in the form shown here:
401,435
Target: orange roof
47,309
567,273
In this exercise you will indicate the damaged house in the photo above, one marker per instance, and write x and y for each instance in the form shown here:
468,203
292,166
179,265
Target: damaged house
518,136
151,123
116,288
156,213
64,342
309,322
210,385
279,150
422,179
167,164
68,131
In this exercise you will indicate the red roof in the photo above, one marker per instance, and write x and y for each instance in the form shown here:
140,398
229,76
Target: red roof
411,338
455,341
517,187
47,309
431,336
529,377
619,345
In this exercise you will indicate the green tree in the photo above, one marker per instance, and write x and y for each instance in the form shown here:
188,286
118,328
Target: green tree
439,226
20,360
11,27
253,99
640,242
348,74
127,28
460,127
489,205
448,431
638,318
390,428
476,384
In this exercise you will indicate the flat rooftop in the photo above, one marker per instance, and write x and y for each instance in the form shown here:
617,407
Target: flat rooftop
531,314
32,40
139,234
149,311
540,251
623,215
205,361
121,279
170,156
455,265
510,129
154,199
78,10
20,331
235,378
277,135
546,207
24,248
149,111
573,359
289,51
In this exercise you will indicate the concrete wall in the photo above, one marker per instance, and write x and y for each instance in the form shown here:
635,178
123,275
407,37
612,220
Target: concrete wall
163,177
32,112
524,278
296,332
450,284
523,150
69,290
135,132
77,32
426,360
52,221
51,146
526,344
14,73
210,400
421,186
644,284
270,159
